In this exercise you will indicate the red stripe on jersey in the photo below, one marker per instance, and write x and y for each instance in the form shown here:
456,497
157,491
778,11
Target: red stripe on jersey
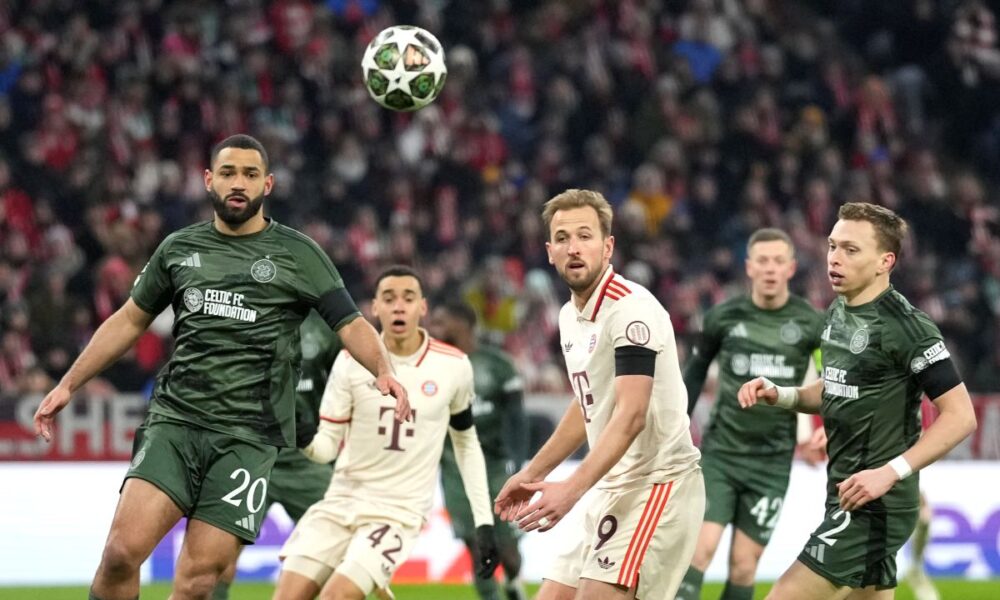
422,356
445,349
619,287
439,345
600,297
613,295
338,421
644,534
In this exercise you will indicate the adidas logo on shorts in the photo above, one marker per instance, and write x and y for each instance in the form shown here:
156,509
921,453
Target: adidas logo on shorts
246,522
605,563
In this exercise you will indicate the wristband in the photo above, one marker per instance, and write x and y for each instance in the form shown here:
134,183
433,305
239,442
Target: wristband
788,397
901,467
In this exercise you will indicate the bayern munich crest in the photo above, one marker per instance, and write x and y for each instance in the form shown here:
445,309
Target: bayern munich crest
429,388
263,270
193,299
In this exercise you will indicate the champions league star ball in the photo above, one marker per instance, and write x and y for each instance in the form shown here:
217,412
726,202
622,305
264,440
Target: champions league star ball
404,68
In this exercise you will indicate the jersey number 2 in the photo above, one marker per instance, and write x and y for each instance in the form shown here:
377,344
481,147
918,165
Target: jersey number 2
827,536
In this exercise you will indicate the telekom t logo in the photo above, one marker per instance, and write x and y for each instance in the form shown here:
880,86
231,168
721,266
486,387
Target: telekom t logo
581,387
396,427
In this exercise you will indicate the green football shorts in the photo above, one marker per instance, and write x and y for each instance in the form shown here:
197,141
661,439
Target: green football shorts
211,476
747,491
297,482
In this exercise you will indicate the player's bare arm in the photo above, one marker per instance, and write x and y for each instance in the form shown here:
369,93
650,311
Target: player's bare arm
632,393
569,435
807,399
364,344
955,423
116,335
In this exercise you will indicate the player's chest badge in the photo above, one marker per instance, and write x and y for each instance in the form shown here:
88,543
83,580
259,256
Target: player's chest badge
859,341
263,271
790,333
429,388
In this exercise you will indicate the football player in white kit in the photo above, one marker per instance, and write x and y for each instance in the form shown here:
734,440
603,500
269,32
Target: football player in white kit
351,542
642,522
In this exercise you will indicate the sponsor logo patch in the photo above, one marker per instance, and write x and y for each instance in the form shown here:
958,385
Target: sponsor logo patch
193,299
637,332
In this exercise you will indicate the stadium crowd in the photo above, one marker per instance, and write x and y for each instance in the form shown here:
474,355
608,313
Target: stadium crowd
699,120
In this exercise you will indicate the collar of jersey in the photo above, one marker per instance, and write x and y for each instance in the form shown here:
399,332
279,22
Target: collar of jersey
241,238
416,357
593,305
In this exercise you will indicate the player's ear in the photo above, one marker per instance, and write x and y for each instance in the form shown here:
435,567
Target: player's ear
609,246
208,180
548,251
886,262
268,184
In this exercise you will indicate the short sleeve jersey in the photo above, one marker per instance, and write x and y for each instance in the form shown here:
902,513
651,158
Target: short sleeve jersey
238,302
750,342
623,313
385,464
871,398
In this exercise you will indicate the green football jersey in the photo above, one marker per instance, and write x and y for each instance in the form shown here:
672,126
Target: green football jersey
497,408
238,302
752,342
320,346
871,398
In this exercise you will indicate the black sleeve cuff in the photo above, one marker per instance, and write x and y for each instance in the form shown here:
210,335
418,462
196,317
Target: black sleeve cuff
635,360
337,308
461,421
939,378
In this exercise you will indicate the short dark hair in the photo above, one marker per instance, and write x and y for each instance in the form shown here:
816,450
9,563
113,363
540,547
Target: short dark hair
240,140
770,234
890,228
399,271
460,310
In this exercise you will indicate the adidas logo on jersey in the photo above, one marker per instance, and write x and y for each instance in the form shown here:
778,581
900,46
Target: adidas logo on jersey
192,261
567,347
739,331
605,563
246,522
816,552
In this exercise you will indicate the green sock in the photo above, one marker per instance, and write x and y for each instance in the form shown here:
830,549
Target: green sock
221,591
487,588
514,590
690,588
736,592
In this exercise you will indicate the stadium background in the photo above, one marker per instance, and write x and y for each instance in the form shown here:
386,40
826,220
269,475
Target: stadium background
700,120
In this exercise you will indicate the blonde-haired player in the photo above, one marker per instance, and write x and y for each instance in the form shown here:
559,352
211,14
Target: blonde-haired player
350,543
642,523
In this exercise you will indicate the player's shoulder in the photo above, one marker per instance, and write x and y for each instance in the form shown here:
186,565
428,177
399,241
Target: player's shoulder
621,294
445,352
296,241
188,233
902,318
800,305
734,304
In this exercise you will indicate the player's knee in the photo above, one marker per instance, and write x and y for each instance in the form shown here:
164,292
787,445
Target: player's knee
743,569
119,561
198,585
703,554
510,557
340,592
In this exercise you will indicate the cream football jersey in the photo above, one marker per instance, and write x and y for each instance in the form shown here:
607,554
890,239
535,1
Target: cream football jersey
391,466
623,313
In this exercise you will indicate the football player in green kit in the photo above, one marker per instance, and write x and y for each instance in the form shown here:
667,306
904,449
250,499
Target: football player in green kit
296,482
498,414
746,457
880,355
240,286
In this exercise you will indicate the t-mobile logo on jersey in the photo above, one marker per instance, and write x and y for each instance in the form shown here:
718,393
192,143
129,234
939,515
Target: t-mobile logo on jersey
396,426
581,386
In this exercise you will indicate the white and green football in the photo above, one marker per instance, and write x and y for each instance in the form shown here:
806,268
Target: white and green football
404,68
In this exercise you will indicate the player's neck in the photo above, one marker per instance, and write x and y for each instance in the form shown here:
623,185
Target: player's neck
252,225
868,293
406,345
770,302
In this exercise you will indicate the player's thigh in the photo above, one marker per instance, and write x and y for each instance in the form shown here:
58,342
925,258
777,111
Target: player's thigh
294,585
144,515
296,483
763,483
344,586
720,488
233,490
708,542
376,550
554,590
858,549
647,536
872,593
206,550
317,544
169,456
800,582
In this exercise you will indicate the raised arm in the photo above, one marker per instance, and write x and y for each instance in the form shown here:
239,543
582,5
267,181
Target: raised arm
116,335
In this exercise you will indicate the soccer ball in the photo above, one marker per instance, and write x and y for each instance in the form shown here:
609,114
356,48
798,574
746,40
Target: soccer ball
404,68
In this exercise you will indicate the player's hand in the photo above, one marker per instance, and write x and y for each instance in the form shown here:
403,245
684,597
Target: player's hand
54,402
305,431
814,450
754,390
557,498
512,497
488,556
863,487
388,386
